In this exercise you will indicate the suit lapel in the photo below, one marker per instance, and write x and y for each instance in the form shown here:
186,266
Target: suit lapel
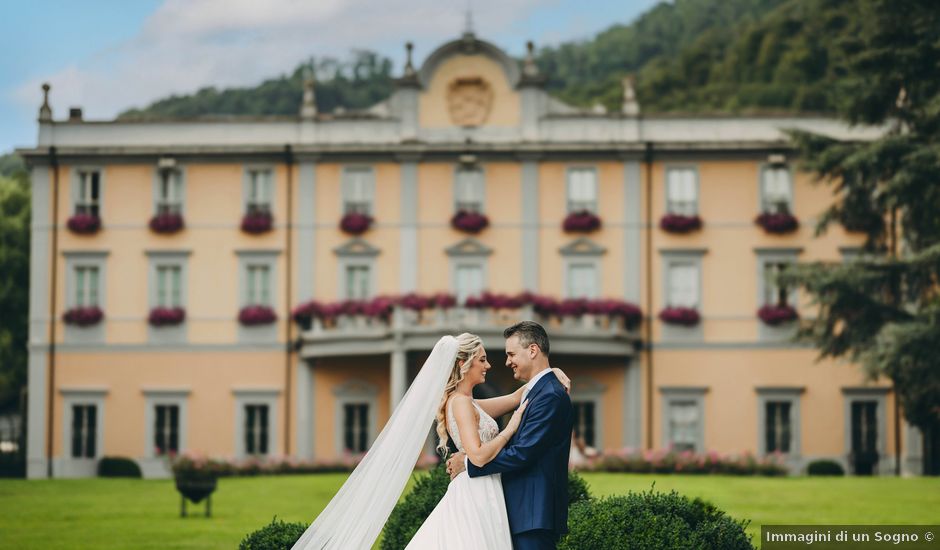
539,387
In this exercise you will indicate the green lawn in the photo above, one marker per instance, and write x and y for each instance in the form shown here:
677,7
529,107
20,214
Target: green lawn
111,513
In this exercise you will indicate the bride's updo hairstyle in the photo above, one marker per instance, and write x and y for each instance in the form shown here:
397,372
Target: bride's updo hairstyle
468,346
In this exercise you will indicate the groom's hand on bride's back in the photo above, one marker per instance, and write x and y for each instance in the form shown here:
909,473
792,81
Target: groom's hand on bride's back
455,464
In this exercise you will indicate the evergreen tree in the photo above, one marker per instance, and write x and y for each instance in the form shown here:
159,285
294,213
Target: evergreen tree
883,309
14,284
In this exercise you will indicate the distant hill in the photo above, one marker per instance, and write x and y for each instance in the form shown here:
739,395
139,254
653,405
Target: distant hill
688,56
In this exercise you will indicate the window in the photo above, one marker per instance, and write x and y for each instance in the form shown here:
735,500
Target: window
169,286
86,286
358,190
88,193
84,431
585,422
682,191
358,282
256,429
356,427
259,191
166,429
776,189
683,425
170,192
582,280
683,285
258,285
778,426
468,281
773,293
468,191
582,190
864,426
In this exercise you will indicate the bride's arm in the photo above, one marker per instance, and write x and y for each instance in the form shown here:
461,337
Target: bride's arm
468,426
498,406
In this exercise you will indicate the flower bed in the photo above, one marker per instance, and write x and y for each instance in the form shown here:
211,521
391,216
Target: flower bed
83,316
778,223
256,315
670,461
166,316
355,223
84,224
677,223
774,315
583,221
684,316
257,222
469,222
166,223
195,465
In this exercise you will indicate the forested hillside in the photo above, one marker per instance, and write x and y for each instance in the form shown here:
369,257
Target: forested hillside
688,55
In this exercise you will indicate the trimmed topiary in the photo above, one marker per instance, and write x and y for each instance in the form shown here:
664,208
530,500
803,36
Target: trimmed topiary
118,466
824,468
577,489
652,521
412,510
277,535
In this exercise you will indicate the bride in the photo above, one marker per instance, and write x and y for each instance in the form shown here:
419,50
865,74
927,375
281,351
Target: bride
472,513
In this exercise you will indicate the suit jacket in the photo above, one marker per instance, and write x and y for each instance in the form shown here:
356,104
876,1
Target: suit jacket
534,464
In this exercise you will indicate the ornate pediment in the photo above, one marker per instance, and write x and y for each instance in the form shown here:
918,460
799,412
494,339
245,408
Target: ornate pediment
469,100
356,247
582,247
469,247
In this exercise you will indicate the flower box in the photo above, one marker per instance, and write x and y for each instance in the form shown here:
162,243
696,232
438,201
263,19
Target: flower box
169,222
778,223
257,222
678,223
256,315
355,223
83,316
84,224
774,315
683,316
582,221
166,316
443,300
469,222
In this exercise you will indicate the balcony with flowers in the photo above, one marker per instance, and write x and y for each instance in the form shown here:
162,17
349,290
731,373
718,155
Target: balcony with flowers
416,321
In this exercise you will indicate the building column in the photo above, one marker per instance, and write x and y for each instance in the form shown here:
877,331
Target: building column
304,426
399,377
530,224
408,245
305,221
39,271
633,235
632,405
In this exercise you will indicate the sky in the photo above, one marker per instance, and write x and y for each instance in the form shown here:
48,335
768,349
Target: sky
106,56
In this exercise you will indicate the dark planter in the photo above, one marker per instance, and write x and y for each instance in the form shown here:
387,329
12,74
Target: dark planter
774,315
581,222
166,316
84,224
166,223
355,223
257,222
83,316
196,488
778,223
469,222
683,316
677,223
256,315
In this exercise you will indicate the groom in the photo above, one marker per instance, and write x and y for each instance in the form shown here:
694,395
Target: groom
534,464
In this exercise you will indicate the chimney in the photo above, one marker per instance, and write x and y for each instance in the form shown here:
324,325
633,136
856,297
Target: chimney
75,114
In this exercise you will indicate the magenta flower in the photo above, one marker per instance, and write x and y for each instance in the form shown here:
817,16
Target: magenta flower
583,221
84,224
678,223
469,222
778,223
256,315
257,221
166,316
685,316
355,223
774,314
83,316
168,222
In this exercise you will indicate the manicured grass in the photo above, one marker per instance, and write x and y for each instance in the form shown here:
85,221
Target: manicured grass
144,514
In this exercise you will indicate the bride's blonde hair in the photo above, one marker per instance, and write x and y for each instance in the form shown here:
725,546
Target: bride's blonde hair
468,346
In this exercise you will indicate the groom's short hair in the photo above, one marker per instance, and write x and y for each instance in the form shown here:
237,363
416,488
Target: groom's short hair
529,332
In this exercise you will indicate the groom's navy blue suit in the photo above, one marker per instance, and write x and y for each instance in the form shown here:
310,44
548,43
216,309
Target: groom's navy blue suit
534,468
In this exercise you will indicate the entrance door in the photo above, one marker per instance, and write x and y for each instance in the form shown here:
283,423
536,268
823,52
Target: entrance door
864,454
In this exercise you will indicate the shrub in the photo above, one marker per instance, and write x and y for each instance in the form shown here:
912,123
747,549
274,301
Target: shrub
412,510
277,535
118,466
824,468
652,521
577,489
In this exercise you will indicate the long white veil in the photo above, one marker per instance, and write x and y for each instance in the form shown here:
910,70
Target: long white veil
356,515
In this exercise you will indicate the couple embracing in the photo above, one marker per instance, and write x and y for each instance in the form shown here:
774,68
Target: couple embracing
508,489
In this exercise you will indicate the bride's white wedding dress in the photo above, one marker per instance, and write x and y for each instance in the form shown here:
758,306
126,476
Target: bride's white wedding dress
472,514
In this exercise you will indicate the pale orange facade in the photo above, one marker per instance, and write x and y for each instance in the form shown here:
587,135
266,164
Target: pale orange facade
471,129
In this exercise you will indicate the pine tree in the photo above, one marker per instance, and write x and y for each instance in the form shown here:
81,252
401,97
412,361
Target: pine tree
883,309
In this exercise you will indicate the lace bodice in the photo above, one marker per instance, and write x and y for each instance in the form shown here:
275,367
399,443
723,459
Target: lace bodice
488,428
